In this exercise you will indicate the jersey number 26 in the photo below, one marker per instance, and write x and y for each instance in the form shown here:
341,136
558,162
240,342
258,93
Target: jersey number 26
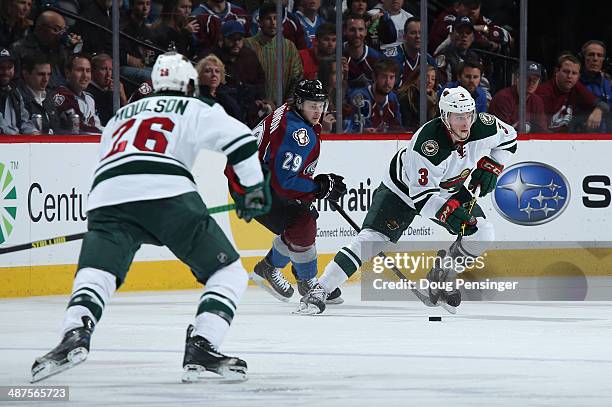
146,139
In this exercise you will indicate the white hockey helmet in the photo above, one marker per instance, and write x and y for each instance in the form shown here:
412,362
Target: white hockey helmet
456,100
173,72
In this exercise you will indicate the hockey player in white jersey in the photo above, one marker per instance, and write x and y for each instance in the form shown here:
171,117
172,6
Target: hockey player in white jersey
143,192
427,179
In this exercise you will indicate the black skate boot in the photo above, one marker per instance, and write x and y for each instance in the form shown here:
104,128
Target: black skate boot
201,356
313,302
439,274
72,350
272,280
306,285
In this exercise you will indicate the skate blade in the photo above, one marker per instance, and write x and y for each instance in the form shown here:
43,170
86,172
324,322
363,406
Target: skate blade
227,374
261,282
335,301
51,368
424,298
307,309
449,308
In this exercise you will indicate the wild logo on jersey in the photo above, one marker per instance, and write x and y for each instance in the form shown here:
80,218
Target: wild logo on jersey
455,183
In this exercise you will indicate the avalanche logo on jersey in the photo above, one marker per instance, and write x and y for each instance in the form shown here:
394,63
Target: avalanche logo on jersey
58,99
531,193
310,170
301,136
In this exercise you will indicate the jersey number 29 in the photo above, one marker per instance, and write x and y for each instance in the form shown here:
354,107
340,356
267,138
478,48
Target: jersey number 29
292,161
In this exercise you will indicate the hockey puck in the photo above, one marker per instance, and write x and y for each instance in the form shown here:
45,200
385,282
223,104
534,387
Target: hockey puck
435,318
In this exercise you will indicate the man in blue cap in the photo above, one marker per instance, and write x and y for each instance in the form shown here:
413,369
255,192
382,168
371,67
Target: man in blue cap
244,74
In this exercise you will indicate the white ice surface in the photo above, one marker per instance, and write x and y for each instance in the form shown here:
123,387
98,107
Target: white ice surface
356,354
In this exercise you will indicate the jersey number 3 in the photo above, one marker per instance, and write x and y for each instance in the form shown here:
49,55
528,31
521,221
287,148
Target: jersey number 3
146,138
423,180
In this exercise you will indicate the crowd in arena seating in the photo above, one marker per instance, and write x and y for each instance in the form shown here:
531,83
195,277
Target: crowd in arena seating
56,69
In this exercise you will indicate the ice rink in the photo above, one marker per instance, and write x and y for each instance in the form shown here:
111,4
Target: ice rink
356,354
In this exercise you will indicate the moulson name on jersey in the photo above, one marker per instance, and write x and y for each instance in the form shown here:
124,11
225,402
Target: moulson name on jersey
57,207
165,105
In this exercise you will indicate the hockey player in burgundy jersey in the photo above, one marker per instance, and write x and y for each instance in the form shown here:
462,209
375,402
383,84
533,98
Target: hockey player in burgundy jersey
289,143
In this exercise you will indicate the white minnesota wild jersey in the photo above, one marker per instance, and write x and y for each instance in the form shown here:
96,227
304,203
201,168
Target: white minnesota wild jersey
426,173
149,147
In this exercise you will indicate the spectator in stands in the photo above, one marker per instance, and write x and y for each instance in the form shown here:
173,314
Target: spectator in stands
140,59
14,21
409,99
292,28
14,118
101,87
175,27
408,53
325,48
211,76
244,75
449,57
469,73
360,57
210,17
50,39
487,35
308,16
36,73
375,108
594,78
76,107
327,76
443,24
264,45
568,104
395,17
505,103
359,7
95,39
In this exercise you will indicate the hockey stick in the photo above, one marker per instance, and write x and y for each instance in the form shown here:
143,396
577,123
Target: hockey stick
422,297
79,236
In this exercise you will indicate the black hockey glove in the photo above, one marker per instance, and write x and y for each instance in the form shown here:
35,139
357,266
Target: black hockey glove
452,215
331,187
485,176
253,201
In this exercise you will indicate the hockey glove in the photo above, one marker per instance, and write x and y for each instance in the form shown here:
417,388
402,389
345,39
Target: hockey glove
253,201
452,215
331,187
485,175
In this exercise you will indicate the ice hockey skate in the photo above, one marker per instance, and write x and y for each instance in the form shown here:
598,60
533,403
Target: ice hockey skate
306,285
272,280
449,300
201,356
72,350
313,302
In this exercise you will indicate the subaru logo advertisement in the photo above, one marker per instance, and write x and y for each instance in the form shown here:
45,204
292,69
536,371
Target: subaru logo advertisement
531,193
